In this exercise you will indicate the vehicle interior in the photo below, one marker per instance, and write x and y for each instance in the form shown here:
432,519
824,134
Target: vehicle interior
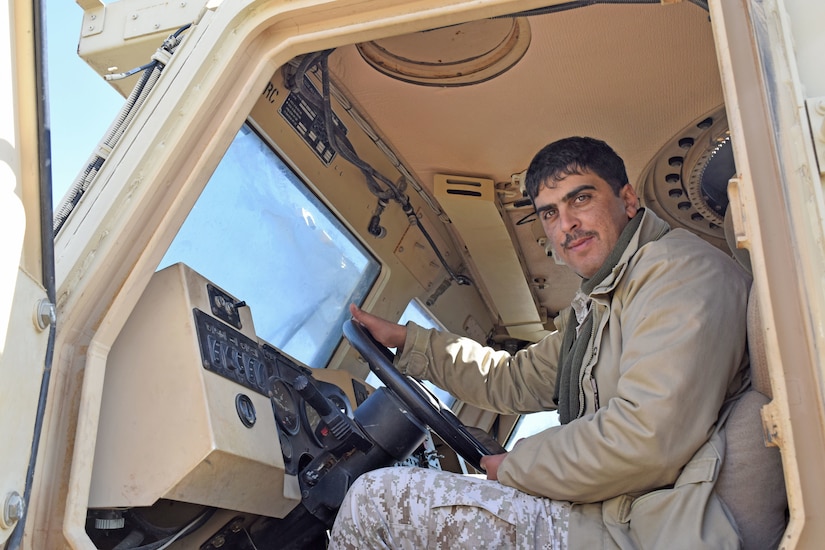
224,405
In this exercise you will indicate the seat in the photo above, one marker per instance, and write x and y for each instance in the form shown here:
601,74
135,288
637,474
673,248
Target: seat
751,482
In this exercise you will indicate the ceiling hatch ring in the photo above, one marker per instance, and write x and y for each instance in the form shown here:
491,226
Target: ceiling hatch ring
686,182
458,55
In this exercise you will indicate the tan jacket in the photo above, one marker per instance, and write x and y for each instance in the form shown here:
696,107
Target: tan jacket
668,352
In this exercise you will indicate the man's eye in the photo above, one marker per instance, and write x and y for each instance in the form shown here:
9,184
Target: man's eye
582,198
547,214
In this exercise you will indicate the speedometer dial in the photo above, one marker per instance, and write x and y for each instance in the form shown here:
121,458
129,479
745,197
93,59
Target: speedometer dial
284,406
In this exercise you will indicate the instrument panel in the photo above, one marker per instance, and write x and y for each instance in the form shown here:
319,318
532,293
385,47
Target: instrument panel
262,368
196,408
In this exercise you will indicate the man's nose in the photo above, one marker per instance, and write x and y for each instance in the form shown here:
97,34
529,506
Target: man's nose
568,220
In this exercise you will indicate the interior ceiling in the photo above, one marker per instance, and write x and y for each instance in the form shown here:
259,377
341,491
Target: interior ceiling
632,75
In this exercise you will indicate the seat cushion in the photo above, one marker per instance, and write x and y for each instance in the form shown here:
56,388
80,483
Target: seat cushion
751,482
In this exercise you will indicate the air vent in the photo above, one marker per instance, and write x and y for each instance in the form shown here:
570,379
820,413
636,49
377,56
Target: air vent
469,188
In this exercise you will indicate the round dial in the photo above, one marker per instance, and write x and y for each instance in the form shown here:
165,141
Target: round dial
284,406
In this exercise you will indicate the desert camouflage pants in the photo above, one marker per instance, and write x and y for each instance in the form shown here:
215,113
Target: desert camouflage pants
413,508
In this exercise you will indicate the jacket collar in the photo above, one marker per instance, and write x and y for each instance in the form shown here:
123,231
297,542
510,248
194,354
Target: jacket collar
651,229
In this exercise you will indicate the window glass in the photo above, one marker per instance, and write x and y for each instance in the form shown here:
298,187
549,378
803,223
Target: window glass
259,233
423,317
531,424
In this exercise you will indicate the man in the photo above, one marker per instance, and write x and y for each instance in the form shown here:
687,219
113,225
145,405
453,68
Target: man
643,369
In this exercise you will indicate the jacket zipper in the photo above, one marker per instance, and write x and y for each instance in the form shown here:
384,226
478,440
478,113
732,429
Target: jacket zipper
585,364
595,390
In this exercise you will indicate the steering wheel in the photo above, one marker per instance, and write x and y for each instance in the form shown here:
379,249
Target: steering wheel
422,403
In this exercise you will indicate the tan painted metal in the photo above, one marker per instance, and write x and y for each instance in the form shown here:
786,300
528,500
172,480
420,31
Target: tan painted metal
471,205
169,427
22,341
779,213
119,36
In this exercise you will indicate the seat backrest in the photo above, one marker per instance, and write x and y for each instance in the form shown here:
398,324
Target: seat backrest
751,482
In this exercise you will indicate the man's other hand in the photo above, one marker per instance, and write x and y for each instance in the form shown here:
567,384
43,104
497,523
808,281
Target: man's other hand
490,463
389,334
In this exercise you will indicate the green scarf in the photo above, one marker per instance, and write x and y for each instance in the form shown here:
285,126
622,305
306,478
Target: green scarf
568,383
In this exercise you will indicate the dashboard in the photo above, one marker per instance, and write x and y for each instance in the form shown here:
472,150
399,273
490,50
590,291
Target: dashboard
197,408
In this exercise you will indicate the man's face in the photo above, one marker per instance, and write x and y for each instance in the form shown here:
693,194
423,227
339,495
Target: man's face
583,219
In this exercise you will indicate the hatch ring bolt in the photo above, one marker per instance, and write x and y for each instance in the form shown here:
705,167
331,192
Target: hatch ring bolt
45,314
13,510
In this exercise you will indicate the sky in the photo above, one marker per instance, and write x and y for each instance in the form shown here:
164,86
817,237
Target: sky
82,105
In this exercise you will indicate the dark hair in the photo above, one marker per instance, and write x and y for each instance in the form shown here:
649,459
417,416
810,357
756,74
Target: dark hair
575,155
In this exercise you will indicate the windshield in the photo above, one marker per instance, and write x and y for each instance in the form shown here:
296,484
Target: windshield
259,233
423,317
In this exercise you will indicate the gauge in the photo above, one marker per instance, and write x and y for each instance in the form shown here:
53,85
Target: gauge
284,406
262,370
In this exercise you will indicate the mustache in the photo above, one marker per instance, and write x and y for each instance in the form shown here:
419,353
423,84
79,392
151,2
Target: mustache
576,235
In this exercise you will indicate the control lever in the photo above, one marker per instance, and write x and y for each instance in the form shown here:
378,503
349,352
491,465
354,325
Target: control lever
340,425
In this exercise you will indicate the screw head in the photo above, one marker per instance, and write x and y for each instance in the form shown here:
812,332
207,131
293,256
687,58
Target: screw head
45,314
13,509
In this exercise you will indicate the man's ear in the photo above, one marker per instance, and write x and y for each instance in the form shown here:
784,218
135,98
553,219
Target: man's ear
630,200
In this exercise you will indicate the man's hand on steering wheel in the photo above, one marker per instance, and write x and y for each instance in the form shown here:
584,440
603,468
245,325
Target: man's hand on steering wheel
490,464
418,400
389,334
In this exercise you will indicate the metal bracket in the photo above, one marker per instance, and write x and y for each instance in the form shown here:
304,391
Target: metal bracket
229,536
770,425
160,17
87,5
816,118
93,18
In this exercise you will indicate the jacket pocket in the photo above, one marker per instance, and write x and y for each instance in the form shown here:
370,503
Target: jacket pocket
687,516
